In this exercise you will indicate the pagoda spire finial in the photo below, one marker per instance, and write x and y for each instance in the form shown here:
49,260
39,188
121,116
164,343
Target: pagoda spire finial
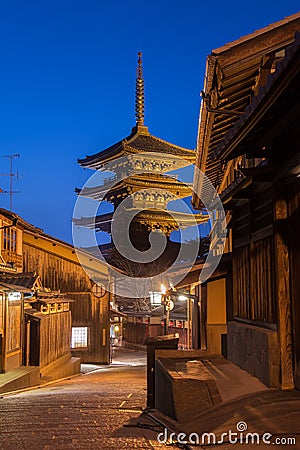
139,93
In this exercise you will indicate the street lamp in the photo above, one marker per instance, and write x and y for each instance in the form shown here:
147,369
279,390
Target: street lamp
168,305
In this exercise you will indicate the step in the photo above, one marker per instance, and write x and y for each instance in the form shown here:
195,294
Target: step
66,368
20,378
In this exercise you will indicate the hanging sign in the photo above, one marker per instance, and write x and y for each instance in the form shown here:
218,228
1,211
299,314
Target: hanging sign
13,296
99,290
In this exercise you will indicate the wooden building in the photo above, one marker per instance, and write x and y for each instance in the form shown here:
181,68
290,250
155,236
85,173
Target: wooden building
59,268
208,304
63,315
248,146
36,325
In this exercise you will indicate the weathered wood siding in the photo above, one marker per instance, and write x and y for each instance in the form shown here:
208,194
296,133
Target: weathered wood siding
55,333
253,257
253,275
294,245
56,273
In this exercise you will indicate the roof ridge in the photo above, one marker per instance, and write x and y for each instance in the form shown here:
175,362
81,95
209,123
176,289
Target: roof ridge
157,139
12,215
256,33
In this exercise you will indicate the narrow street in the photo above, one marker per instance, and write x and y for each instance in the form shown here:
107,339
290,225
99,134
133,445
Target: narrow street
88,411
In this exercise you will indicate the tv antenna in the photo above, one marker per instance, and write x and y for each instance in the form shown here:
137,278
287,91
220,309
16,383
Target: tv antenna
11,175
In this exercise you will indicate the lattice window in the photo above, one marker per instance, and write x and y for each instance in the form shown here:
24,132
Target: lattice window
9,239
79,337
253,272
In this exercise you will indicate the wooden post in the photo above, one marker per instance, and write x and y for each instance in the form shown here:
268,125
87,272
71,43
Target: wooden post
189,321
203,316
196,321
282,292
5,314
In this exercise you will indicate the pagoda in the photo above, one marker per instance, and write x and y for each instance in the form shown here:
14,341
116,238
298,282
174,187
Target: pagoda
141,188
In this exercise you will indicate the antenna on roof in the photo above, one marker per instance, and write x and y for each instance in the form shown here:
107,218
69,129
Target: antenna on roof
139,93
11,175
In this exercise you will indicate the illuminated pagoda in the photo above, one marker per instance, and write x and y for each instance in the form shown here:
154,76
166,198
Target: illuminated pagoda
141,183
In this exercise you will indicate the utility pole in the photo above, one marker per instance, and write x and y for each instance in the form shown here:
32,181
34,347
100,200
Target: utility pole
10,175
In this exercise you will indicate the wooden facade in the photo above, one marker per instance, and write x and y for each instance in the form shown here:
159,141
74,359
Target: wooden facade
61,308
47,338
250,153
11,328
210,307
59,269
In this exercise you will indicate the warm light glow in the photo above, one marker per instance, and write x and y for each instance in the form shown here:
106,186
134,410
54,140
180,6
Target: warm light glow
163,289
14,296
155,298
117,328
182,297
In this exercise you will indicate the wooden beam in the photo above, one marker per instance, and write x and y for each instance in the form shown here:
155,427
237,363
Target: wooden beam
282,292
196,341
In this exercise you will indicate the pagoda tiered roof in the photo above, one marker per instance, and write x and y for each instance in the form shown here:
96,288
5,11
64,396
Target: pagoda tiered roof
153,219
139,141
143,165
111,186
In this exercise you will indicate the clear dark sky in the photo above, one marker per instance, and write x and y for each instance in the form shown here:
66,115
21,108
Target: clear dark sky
67,84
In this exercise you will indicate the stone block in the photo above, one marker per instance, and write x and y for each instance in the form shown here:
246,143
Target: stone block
254,349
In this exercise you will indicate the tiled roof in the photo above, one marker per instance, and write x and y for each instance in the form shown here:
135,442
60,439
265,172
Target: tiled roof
137,182
256,33
137,142
13,216
153,144
25,279
292,57
234,75
159,216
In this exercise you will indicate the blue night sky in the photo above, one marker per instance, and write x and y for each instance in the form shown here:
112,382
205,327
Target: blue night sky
67,84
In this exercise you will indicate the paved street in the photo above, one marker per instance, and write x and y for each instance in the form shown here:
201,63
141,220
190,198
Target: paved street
86,412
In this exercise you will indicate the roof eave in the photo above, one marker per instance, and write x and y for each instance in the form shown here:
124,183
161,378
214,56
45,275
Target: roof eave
263,101
203,131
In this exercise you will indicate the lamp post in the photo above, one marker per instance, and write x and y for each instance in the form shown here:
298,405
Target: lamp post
168,305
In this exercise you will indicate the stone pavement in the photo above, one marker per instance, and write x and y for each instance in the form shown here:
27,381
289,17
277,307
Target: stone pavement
90,411
103,409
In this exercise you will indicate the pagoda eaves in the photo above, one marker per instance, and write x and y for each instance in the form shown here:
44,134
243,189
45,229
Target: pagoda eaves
140,141
141,188
152,219
112,187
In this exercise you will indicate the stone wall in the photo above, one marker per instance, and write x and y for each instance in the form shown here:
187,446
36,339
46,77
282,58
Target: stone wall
255,349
